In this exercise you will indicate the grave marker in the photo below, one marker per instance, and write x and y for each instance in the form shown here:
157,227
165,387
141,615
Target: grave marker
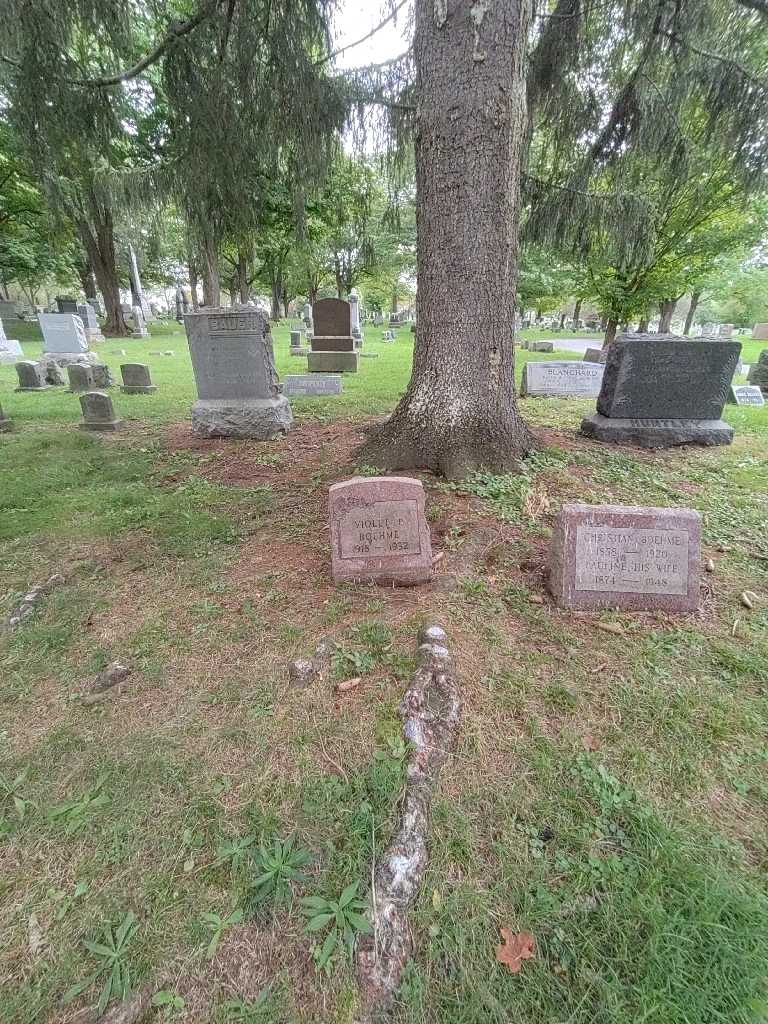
63,334
379,532
234,367
562,378
31,376
758,372
541,346
759,331
631,557
102,376
10,349
136,379
80,378
312,384
746,394
333,346
98,412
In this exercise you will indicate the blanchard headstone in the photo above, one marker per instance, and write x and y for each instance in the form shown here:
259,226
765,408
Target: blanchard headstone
98,412
663,390
746,394
562,378
136,379
6,423
758,372
759,331
312,384
333,346
234,367
80,378
379,532
31,376
631,557
63,333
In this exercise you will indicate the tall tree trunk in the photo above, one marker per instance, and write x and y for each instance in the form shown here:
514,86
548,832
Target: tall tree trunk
666,311
286,303
460,412
277,291
339,277
610,331
695,296
642,326
87,278
98,238
242,276
562,321
577,313
211,274
193,280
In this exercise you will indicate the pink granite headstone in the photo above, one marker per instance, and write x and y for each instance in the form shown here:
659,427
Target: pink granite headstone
626,556
379,532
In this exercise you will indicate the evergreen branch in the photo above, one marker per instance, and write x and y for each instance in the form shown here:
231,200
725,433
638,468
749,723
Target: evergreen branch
390,17
176,32
761,6
676,38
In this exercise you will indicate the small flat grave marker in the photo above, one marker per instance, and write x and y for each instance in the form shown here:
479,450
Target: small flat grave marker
312,384
632,557
379,532
136,379
746,394
563,378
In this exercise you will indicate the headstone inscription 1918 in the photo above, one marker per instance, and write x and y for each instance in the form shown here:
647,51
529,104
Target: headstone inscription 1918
309,384
98,412
234,367
562,378
746,394
379,532
633,557
136,379
663,390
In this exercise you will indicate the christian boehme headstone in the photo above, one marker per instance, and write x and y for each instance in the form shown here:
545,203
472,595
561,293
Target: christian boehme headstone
312,384
98,412
562,378
662,390
234,366
379,532
746,394
136,379
633,557
333,347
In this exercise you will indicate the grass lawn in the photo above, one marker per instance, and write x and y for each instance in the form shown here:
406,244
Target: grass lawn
609,794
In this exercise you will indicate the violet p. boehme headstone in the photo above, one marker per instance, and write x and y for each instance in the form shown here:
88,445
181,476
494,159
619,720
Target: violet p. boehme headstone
379,532
31,376
136,379
663,390
234,367
631,557
98,412
562,378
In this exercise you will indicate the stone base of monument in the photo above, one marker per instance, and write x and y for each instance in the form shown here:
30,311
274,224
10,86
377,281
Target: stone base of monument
648,433
65,359
102,425
259,418
138,389
333,362
300,351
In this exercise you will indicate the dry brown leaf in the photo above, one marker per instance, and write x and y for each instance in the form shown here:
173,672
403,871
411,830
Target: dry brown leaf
348,684
515,948
611,627
536,599
600,668
589,742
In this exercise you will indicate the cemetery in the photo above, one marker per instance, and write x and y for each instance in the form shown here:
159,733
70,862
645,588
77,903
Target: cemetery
383,628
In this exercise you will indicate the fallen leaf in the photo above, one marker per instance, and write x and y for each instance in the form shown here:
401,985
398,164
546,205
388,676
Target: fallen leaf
36,935
536,599
348,684
589,742
515,948
600,668
611,627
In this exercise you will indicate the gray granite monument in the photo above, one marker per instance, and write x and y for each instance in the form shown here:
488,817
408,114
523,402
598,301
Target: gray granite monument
136,379
664,390
139,327
87,314
234,367
98,412
10,349
31,376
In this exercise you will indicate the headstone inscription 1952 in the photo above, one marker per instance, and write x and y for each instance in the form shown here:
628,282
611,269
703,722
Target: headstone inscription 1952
662,390
379,532
563,378
746,394
631,557
234,367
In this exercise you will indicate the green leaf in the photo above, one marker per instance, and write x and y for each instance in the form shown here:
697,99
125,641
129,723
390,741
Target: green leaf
360,923
81,986
326,950
99,949
314,903
348,894
126,927
321,921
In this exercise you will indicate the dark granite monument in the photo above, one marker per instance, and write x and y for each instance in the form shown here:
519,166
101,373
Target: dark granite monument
333,346
234,367
663,390
66,305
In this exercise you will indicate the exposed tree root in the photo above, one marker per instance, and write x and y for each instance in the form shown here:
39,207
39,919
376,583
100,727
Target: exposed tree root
431,711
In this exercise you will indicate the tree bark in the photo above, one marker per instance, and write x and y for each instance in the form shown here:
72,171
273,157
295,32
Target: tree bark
459,413
695,296
577,313
277,292
98,238
211,273
87,278
666,311
242,276
193,279
642,326
610,331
